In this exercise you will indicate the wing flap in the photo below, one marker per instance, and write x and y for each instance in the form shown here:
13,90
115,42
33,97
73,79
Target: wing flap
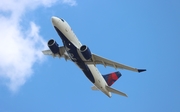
100,60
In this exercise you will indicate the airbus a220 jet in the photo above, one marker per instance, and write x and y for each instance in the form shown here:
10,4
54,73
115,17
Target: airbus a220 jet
81,55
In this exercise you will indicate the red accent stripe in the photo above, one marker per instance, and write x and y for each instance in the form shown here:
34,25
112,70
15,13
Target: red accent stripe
112,78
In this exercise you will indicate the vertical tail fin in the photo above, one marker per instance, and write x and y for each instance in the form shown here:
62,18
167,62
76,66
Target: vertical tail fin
112,77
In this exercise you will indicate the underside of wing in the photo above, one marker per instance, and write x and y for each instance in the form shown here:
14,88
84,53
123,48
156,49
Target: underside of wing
100,60
62,53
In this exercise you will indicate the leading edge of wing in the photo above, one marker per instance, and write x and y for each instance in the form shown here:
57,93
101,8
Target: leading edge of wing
106,62
63,53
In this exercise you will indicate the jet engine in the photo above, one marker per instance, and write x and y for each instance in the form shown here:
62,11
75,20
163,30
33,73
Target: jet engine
85,51
53,46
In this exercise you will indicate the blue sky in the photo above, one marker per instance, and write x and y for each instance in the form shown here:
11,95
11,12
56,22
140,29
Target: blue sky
142,34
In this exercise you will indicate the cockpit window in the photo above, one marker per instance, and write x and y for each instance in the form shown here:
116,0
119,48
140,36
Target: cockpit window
62,19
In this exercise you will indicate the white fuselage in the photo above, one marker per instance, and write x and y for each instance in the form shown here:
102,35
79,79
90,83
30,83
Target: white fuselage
67,32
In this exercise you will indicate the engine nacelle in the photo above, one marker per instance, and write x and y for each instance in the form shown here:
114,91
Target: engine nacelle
85,51
53,46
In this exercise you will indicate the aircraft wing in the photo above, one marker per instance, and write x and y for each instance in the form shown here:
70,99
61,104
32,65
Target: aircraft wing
100,60
62,53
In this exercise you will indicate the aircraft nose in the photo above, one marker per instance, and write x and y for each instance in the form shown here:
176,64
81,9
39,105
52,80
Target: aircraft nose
54,20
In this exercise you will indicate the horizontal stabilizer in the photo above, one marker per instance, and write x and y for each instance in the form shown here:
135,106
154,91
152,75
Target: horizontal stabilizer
115,91
94,88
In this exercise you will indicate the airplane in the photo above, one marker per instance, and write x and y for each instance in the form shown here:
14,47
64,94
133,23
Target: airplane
81,55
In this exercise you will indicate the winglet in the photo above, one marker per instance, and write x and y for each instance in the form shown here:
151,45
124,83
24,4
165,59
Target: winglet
141,70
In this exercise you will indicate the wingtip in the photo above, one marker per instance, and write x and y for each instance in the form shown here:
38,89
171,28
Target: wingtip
125,95
141,70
